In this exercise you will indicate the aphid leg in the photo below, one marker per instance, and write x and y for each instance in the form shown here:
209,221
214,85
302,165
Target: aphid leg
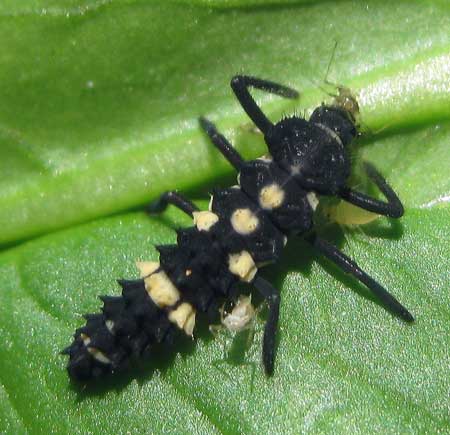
240,85
218,363
330,62
349,266
313,184
229,356
217,332
392,208
222,143
221,362
173,198
251,334
272,296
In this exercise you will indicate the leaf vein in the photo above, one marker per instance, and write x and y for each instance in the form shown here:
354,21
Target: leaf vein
15,408
196,403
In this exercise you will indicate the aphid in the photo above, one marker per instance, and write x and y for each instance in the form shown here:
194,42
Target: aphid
245,228
239,323
241,316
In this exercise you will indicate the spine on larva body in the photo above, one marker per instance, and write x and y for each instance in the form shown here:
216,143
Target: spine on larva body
194,276
191,276
129,326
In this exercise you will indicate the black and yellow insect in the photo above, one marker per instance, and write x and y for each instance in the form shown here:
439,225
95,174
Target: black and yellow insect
245,228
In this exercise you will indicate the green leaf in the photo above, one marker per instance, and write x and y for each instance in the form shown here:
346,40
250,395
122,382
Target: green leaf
77,7
99,114
343,364
99,107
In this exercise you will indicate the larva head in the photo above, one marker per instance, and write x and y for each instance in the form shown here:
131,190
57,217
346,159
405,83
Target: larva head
313,153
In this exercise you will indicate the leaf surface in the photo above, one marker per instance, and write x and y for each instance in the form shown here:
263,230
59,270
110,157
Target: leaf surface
343,362
99,110
99,114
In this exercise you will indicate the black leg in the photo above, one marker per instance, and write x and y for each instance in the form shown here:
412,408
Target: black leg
174,198
392,208
349,266
320,186
240,85
222,144
273,298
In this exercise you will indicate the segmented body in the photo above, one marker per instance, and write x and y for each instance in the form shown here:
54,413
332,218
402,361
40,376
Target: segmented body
245,228
227,244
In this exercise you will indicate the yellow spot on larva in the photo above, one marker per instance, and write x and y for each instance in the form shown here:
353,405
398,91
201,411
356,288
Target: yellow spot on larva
271,196
146,268
244,221
313,200
266,158
110,325
98,355
184,317
86,339
161,290
204,220
242,265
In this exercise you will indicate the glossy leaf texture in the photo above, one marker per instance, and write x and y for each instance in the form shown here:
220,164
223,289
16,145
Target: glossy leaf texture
99,108
343,363
99,111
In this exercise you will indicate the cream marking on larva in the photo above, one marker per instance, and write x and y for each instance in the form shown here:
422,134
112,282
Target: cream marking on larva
242,265
98,355
244,221
271,196
184,317
161,290
332,133
146,268
211,199
86,339
241,315
265,158
295,169
313,200
110,325
204,220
